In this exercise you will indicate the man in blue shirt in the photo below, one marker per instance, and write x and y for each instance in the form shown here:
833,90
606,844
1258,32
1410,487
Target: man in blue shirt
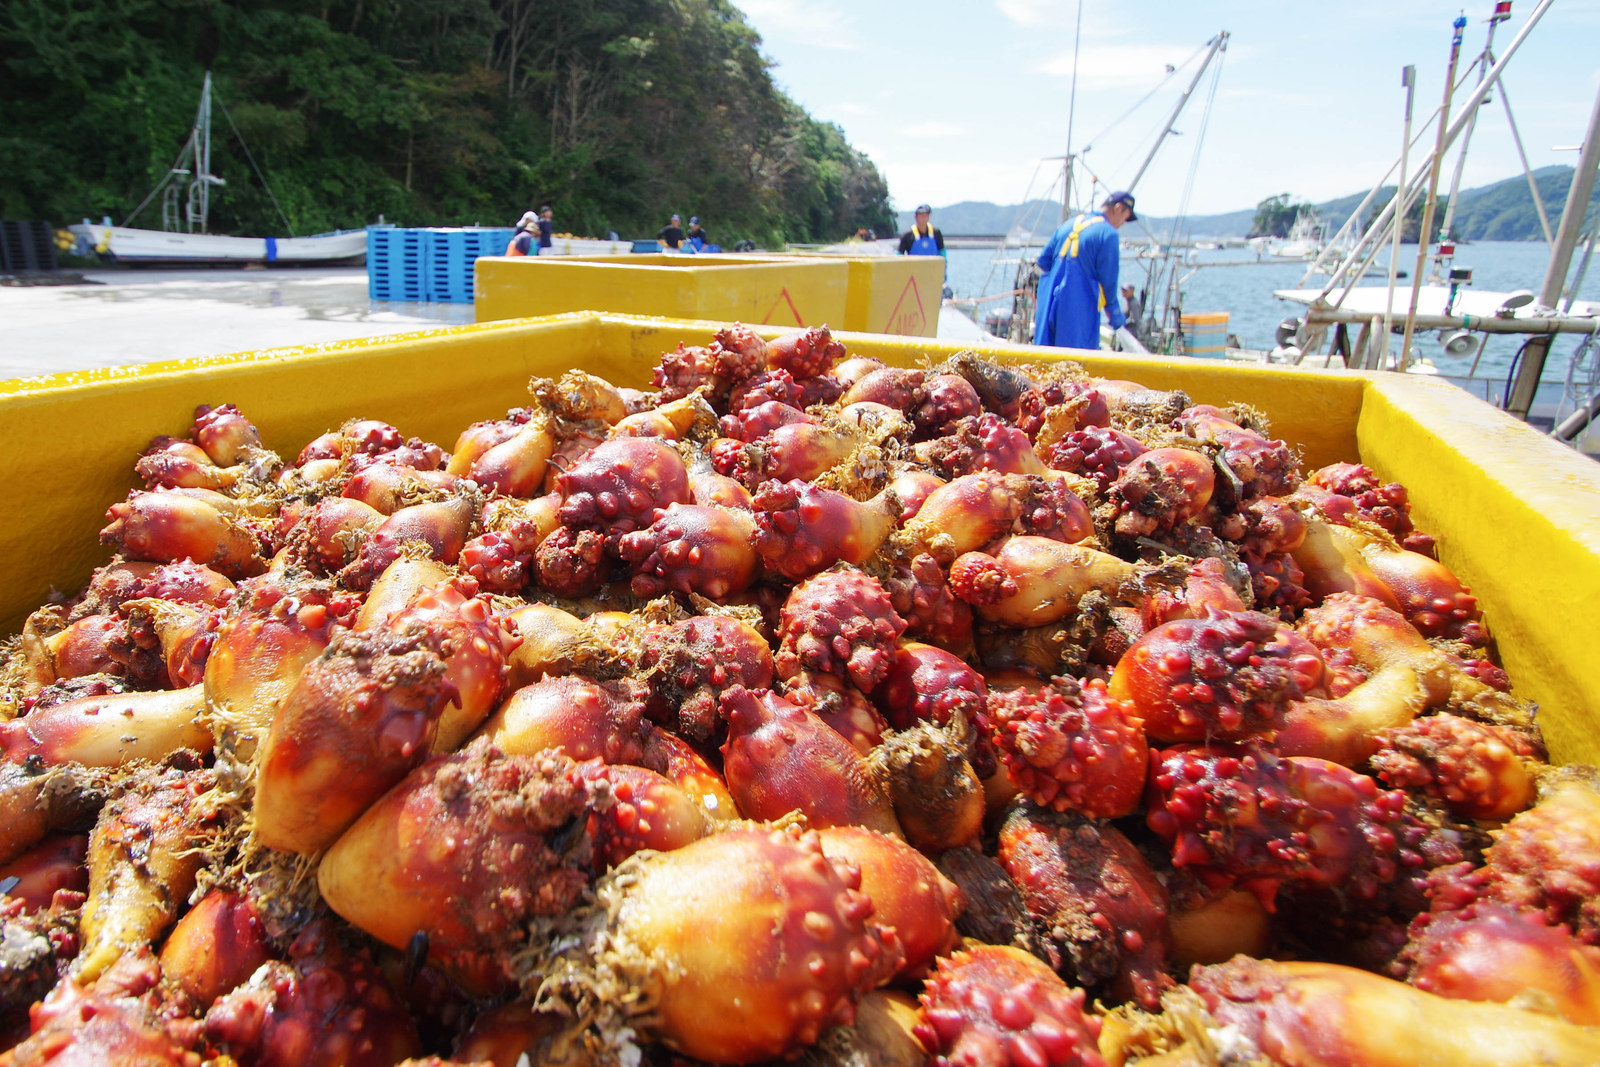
922,239
1079,277
547,228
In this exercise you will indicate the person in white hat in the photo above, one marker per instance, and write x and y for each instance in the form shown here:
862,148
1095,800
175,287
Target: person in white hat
522,242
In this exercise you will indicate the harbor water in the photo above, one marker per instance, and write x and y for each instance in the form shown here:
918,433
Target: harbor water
1237,282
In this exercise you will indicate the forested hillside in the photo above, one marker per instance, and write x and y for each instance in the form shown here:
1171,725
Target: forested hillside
430,112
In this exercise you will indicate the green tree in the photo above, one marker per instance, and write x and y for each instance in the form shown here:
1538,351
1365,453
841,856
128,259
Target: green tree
618,112
1412,224
1274,216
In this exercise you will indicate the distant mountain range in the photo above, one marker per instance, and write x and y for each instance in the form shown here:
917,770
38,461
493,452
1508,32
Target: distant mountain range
1503,211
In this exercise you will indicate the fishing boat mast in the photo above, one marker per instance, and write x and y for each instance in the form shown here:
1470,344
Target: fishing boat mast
1218,44
1425,235
1360,257
1502,12
1537,348
188,208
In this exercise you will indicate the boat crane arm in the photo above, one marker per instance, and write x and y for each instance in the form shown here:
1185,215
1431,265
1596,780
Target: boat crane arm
1218,44
1380,226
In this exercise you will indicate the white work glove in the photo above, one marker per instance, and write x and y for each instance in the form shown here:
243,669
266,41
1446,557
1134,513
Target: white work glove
1127,342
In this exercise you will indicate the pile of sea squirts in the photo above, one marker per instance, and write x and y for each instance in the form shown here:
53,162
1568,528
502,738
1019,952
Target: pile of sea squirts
804,707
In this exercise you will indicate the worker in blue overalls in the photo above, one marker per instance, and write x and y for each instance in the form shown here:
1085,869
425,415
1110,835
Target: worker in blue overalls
1078,277
923,239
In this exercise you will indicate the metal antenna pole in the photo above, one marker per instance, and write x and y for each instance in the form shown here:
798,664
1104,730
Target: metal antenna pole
1501,13
1555,275
1424,237
1219,42
1072,107
204,177
1408,78
1378,228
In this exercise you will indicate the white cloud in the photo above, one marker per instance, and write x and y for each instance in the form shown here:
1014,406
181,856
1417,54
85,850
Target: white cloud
933,129
1115,66
817,23
1033,13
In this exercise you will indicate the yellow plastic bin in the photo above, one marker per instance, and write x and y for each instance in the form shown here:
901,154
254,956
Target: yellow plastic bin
782,291
895,295
1516,515
1205,334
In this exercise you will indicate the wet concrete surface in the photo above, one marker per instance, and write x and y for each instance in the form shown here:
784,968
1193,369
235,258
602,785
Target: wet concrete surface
120,317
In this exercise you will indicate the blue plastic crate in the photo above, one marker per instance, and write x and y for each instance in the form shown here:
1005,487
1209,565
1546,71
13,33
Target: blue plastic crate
449,255
429,264
395,264
493,242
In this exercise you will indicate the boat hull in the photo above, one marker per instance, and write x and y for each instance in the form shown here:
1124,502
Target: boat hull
129,245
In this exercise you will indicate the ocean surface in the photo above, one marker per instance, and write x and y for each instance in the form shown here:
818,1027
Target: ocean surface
1232,280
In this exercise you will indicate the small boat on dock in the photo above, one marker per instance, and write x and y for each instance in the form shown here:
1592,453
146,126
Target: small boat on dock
184,238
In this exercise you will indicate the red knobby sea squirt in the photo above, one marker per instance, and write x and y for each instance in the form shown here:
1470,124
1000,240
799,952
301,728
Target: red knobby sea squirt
1225,677
466,849
839,622
1262,820
1100,907
621,485
1001,1007
1070,747
663,956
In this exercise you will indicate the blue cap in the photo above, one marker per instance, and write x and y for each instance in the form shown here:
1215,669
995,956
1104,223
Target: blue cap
694,220
923,209
1125,199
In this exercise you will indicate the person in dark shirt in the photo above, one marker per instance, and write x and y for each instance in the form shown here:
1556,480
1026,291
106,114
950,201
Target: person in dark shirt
923,239
547,226
697,236
671,234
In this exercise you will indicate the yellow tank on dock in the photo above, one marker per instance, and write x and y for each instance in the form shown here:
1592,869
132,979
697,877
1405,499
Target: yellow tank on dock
869,294
1516,515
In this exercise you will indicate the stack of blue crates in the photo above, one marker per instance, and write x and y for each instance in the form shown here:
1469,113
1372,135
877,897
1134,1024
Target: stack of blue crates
395,264
428,265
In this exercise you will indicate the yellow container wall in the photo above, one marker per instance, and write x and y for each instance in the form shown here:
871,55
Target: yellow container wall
895,295
1516,516
758,291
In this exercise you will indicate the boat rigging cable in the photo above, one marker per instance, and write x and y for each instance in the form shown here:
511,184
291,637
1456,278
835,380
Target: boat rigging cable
1026,281
1375,233
193,148
1172,312
1072,107
253,165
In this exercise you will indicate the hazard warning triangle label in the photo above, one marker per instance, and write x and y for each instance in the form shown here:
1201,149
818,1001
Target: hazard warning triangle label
907,316
784,300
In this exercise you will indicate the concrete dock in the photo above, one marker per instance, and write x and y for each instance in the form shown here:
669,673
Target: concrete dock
114,318
119,317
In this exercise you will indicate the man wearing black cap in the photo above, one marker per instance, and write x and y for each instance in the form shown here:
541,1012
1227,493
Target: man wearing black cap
547,228
923,239
1078,277
671,235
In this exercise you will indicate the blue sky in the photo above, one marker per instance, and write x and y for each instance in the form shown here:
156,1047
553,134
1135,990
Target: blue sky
962,99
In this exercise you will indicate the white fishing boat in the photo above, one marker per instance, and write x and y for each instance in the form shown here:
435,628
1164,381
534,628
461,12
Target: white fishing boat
1306,238
185,195
127,244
